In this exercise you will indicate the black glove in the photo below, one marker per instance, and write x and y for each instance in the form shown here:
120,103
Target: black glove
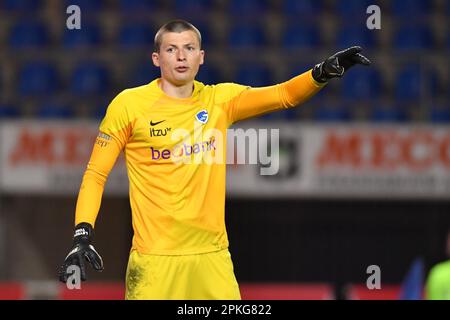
82,249
338,64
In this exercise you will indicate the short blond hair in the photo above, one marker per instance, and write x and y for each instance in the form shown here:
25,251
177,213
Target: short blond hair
175,26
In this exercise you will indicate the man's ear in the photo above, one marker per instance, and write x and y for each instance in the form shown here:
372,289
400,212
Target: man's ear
202,54
155,59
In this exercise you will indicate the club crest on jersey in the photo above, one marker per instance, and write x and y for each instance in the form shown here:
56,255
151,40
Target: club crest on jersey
202,116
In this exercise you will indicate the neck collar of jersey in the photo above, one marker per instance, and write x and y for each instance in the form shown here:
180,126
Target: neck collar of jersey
197,88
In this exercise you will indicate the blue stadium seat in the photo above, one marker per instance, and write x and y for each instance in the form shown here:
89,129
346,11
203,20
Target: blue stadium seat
86,6
9,111
300,67
254,75
138,6
142,74
247,36
354,9
353,34
26,34
88,35
209,74
411,8
303,8
100,112
193,7
248,8
415,81
381,113
440,114
90,78
21,5
136,35
289,114
38,78
362,83
301,35
332,113
413,37
99,107
52,110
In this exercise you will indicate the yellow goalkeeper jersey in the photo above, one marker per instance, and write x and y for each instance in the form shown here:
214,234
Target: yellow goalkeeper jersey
175,157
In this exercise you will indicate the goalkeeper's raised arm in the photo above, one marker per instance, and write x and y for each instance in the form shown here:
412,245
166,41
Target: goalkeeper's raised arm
258,101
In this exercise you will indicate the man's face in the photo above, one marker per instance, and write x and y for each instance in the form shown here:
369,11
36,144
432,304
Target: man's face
179,57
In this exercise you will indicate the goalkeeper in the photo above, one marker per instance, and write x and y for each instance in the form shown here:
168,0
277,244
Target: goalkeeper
180,245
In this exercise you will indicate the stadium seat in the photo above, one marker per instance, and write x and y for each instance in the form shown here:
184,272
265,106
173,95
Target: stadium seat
411,8
21,5
38,78
415,81
9,111
382,113
248,8
90,78
362,83
99,107
304,8
193,7
247,36
300,67
209,74
54,110
350,35
413,37
138,6
87,6
142,74
301,35
354,9
332,113
88,35
440,113
136,35
254,75
26,34
290,114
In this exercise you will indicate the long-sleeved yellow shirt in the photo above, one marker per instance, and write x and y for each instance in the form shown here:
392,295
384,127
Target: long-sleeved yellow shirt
175,157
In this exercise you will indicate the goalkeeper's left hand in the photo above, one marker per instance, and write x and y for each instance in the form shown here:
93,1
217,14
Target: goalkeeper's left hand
338,64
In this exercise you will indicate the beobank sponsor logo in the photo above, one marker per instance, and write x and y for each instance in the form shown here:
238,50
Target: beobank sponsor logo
184,150
385,149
